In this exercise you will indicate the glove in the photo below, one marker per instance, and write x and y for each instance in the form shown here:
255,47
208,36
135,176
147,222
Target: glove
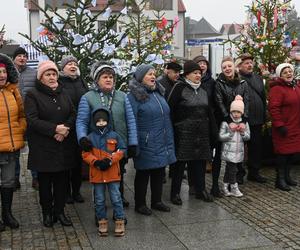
233,126
117,156
85,144
131,151
103,164
282,131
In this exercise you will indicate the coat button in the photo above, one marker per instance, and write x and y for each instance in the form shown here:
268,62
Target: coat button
58,108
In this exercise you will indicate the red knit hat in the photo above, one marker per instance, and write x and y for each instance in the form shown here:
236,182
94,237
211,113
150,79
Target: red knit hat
44,66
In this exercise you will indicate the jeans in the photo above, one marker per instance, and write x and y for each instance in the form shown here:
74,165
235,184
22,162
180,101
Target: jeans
115,198
7,166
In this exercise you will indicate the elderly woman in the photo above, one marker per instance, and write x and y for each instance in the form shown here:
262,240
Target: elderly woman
106,96
12,128
155,135
284,103
75,87
228,86
194,129
52,147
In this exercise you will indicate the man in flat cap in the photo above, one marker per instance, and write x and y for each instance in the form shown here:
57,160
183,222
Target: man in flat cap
257,115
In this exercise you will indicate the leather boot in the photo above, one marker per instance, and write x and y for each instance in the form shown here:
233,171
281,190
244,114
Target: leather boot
47,219
103,227
253,175
63,219
288,178
119,228
280,179
6,200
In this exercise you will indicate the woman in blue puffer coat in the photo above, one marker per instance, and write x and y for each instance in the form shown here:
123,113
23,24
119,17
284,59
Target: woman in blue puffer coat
156,147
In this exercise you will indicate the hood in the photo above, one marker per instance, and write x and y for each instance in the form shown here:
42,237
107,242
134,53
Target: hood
140,92
277,81
12,72
207,75
108,127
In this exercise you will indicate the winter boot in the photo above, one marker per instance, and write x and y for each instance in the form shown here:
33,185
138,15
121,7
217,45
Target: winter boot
103,227
280,179
215,190
226,190
288,178
235,190
119,228
6,200
253,175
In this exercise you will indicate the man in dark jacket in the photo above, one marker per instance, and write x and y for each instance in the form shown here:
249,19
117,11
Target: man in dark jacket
27,79
170,77
256,115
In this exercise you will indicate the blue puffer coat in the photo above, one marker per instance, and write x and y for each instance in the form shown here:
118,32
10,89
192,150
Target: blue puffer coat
121,110
155,132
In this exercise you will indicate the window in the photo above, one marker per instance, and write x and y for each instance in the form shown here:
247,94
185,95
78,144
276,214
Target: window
58,3
161,4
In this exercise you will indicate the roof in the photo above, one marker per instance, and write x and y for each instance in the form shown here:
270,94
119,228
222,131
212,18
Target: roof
101,4
232,28
200,27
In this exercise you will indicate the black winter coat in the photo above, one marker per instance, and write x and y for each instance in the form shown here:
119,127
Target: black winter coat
168,84
225,93
209,84
75,88
195,130
45,109
257,99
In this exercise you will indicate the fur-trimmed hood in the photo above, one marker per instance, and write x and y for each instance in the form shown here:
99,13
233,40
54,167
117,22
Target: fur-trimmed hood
141,92
12,72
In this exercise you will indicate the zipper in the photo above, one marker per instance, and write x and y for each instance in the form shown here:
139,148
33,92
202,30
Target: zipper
147,136
8,118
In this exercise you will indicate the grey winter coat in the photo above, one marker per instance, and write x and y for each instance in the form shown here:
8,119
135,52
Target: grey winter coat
26,80
233,143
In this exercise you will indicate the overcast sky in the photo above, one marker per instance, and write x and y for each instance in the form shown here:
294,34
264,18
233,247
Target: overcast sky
13,14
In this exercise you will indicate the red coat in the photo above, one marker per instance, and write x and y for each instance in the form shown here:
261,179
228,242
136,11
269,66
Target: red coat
284,108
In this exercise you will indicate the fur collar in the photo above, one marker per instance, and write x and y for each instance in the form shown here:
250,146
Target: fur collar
141,93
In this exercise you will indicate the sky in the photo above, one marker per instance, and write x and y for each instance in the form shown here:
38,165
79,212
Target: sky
216,12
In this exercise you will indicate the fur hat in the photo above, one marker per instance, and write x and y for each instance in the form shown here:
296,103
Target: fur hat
190,66
242,58
282,66
66,59
174,66
200,58
98,69
12,72
20,51
237,104
141,71
44,66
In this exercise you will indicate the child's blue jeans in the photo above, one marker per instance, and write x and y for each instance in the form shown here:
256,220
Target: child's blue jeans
115,198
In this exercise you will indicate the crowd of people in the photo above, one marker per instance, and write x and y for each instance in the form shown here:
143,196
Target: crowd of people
180,119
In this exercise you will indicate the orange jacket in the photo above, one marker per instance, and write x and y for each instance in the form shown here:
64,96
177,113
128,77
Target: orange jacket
12,119
98,176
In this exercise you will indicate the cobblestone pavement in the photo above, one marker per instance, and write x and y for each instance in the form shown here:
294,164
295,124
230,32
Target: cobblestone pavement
264,218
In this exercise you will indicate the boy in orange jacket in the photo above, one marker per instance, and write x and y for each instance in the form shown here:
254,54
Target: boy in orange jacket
108,149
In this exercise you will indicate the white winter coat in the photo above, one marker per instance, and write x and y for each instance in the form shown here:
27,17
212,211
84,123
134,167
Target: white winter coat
233,143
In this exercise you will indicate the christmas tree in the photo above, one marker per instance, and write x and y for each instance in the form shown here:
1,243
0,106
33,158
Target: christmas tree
76,34
265,34
2,32
149,41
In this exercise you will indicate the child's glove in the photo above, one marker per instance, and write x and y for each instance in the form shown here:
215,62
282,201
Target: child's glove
131,151
241,127
233,126
117,156
103,164
85,144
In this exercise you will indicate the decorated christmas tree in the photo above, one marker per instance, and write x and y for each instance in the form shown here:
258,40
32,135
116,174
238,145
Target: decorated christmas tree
76,33
265,35
149,41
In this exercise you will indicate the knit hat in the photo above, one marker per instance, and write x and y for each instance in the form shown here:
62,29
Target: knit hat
190,66
101,114
282,66
98,68
66,59
44,66
141,71
12,73
19,51
237,104
174,66
200,58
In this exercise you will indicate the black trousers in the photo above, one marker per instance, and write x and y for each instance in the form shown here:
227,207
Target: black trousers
255,148
122,163
141,182
197,170
52,191
231,171
216,165
75,176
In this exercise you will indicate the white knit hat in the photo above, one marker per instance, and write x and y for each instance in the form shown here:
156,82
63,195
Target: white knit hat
237,104
282,66
44,66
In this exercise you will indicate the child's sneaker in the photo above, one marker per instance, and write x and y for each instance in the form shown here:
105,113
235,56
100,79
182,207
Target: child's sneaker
226,190
119,228
235,190
103,227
